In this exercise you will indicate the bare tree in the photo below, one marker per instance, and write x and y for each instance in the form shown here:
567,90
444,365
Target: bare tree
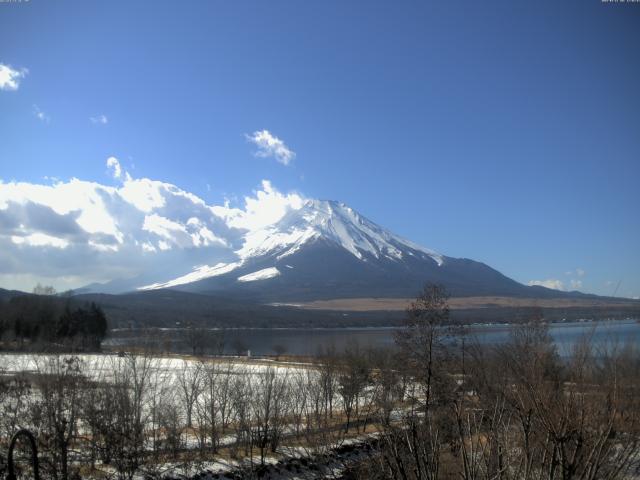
412,449
15,392
269,409
353,377
241,402
214,407
298,398
190,385
55,414
421,338
328,367
127,429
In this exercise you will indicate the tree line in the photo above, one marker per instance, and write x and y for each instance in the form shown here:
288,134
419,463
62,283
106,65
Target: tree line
44,321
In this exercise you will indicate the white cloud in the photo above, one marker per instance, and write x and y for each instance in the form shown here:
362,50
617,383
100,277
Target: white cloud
192,234
271,146
146,195
266,207
40,115
550,283
40,240
114,165
580,272
117,172
74,208
10,78
99,120
162,226
72,233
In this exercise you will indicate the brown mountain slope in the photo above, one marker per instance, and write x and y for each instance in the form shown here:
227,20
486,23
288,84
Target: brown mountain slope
462,303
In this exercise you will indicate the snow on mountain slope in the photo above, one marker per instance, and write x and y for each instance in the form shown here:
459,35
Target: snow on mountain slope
333,222
263,274
198,273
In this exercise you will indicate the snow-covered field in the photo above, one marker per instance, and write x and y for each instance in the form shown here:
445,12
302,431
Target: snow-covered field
102,366
262,398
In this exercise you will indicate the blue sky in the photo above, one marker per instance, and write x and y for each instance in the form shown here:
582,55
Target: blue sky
503,131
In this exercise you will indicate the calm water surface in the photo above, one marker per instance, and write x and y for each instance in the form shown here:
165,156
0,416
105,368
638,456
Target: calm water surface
311,341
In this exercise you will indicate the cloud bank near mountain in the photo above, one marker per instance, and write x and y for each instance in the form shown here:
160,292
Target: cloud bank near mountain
72,233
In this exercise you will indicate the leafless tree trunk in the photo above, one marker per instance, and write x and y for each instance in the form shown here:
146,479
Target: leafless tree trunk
190,385
269,409
56,412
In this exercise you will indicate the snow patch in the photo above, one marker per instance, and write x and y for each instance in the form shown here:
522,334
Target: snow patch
263,274
199,273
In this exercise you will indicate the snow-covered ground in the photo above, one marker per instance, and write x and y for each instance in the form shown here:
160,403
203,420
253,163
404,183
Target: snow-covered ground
166,379
102,366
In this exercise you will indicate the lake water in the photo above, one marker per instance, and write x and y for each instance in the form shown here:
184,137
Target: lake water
311,341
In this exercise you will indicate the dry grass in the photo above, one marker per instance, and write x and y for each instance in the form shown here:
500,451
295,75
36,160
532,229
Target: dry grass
458,303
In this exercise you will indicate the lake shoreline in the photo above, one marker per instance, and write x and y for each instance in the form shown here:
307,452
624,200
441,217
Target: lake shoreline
373,327
311,341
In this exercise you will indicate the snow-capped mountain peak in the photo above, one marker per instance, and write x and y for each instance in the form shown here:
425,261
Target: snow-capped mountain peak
316,220
334,222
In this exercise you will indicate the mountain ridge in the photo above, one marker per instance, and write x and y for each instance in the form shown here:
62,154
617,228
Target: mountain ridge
325,250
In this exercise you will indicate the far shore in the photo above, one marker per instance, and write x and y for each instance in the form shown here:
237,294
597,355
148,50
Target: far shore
473,325
461,303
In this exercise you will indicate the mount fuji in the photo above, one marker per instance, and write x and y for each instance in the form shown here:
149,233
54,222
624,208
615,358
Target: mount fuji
326,250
